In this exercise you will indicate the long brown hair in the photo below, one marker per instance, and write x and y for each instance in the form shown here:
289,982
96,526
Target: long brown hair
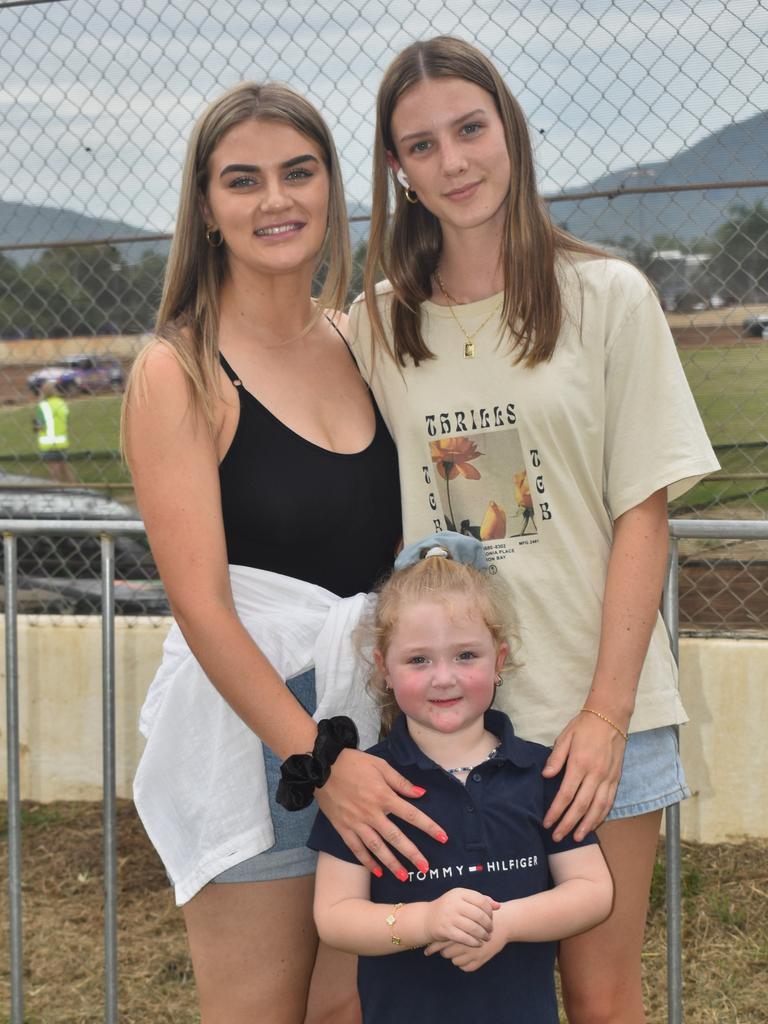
407,249
188,318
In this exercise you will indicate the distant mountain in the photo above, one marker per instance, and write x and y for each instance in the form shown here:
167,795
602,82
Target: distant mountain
738,152
22,223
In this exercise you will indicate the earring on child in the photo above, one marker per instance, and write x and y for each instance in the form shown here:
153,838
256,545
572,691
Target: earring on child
498,680
410,195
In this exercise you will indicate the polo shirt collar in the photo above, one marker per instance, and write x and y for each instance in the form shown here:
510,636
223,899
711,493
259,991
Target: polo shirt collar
512,749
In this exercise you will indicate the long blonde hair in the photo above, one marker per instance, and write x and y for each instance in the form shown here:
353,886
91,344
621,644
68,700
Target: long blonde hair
188,318
434,578
407,248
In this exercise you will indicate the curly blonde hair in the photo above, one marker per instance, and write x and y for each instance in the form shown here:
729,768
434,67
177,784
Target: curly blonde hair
432,578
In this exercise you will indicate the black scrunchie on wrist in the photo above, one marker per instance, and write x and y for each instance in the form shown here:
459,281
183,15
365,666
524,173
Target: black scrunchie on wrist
302,774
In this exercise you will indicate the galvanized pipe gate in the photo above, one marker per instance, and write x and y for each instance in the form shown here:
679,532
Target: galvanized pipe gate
108,530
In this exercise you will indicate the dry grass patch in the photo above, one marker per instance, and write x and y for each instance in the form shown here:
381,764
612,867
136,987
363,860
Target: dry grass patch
725,930
725,935
62,897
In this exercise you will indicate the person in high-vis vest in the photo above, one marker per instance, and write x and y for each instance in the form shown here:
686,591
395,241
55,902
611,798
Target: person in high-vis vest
51,426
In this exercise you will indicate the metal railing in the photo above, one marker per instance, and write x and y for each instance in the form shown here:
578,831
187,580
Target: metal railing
11,530
108,530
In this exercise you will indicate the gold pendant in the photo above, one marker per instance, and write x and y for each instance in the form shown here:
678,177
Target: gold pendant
469,349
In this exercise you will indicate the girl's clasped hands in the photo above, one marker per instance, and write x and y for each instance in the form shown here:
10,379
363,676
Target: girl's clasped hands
461,925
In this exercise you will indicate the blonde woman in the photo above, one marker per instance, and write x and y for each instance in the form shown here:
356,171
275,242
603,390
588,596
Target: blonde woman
537,402
268,485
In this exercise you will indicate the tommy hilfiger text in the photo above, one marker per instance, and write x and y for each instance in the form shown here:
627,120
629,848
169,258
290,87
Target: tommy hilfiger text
458,870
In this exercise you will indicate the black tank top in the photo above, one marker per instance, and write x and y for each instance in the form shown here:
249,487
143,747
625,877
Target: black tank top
295,508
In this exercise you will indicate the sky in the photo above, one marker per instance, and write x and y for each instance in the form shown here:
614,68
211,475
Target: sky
97,97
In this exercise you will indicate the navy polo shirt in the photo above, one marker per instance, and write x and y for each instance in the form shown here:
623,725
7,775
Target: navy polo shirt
496,846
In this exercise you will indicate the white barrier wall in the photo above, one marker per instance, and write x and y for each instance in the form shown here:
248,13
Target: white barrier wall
60,703
724,685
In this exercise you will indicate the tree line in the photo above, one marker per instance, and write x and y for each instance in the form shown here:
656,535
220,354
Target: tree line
79,291
94,290
732,265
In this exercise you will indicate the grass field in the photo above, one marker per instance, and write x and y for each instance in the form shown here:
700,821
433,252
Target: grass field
730,385
94,426
731,389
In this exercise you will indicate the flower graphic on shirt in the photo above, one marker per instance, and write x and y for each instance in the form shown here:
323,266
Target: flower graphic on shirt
453,457
524,499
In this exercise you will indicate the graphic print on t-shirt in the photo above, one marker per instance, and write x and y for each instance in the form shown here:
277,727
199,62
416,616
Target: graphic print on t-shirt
483,487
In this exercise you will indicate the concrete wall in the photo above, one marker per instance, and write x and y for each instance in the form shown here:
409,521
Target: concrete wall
60,704
724,684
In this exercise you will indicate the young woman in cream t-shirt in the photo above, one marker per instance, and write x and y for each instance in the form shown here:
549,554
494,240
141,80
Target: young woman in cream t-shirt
537,402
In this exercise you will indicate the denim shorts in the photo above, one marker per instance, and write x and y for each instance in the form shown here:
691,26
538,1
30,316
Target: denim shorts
289,857
652,776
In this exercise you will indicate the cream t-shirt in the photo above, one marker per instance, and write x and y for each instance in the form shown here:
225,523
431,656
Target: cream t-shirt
538,463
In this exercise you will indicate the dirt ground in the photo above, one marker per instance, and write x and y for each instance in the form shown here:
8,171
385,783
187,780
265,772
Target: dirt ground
724,596
725,928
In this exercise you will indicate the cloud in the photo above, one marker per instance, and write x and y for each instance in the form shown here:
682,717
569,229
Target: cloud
98,97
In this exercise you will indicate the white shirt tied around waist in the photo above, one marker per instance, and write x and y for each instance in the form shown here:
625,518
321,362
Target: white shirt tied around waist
200,788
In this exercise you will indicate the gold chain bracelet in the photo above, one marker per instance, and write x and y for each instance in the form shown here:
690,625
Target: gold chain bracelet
391,920
604,718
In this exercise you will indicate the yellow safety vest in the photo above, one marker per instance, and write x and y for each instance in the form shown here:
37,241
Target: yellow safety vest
54,413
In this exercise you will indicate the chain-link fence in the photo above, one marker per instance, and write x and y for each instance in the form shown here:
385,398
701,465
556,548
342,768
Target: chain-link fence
650,121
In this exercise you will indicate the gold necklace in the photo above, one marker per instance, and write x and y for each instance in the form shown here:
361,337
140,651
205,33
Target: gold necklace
469,343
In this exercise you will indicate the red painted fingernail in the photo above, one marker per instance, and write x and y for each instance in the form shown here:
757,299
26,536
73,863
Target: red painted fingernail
377,871
402,874
418,791
441,837
422,866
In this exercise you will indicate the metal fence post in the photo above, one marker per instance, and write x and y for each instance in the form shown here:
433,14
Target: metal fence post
672,821
109,779
10,551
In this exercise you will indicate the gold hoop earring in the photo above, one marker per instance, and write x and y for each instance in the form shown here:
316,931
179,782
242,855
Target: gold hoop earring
209,233
411,196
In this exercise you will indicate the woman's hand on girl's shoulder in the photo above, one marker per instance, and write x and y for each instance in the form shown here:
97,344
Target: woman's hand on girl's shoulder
592,754
361,798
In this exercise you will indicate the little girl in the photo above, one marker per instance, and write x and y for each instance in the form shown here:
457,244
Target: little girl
497,892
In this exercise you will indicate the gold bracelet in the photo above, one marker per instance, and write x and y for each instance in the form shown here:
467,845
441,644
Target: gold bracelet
391,920
613,725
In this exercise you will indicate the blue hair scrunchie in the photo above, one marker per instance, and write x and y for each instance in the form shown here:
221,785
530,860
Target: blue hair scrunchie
459,547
